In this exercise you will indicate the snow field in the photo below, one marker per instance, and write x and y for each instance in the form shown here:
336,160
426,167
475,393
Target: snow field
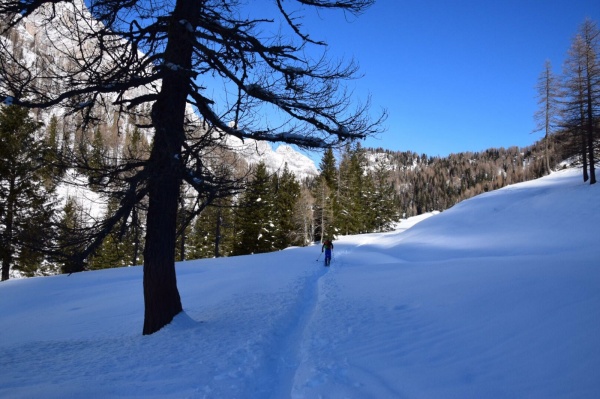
497,297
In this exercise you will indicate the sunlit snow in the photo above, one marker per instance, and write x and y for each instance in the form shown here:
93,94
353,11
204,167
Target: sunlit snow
498,297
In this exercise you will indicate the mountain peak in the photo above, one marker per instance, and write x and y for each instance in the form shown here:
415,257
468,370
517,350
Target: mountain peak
254,152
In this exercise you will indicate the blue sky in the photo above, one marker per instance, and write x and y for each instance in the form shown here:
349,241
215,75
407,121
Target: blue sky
454,75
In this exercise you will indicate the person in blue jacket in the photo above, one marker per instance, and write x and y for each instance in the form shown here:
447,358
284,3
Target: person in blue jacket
327,247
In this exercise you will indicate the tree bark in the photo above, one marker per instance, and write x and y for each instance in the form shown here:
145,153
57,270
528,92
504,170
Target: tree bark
590,127
161,296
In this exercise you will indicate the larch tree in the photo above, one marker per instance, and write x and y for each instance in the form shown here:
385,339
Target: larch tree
582,104
276,88
547,116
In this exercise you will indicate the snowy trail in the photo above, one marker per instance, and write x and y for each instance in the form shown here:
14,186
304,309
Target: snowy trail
288,347
297,339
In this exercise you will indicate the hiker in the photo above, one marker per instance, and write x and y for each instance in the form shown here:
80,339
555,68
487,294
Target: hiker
327,247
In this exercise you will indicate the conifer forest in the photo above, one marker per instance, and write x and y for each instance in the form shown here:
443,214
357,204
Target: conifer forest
358,190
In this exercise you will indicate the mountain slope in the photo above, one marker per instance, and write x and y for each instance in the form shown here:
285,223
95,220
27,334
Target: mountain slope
38,43
497,297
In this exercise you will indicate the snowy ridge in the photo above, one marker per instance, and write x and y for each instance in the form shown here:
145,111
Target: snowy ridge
495,298
255,151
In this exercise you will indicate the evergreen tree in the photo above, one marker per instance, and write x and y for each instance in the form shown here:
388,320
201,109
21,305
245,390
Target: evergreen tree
212,234
26,204
345,216
324,192
286,194
355,190
69,239
137,147
53,152
119,247
97,159
254,217
383,200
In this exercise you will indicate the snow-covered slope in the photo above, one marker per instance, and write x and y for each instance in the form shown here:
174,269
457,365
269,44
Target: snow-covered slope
498,297
255,151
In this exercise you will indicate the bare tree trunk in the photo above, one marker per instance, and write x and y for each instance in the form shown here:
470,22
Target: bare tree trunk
161,297
581,133
590,145
584,158
590,129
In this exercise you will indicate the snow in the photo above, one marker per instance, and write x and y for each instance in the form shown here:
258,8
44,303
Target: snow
498,297
76,186
275,160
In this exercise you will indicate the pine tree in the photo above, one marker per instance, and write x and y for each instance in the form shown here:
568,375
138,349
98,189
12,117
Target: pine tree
286,194
325,194
254,217
97,159
26,203
118,248
383,200
212,235
53,152
355,189
137,147
345,216
184,220
69,238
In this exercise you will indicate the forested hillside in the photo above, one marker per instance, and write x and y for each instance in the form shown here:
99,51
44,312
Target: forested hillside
363,190
358,190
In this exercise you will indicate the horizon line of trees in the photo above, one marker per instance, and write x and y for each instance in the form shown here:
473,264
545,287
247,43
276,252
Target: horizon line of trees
359,190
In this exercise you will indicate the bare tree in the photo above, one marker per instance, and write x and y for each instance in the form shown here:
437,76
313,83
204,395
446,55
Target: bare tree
274,89
582,106
548,91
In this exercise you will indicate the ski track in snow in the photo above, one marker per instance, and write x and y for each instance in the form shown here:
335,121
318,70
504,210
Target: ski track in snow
288,347
300,334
